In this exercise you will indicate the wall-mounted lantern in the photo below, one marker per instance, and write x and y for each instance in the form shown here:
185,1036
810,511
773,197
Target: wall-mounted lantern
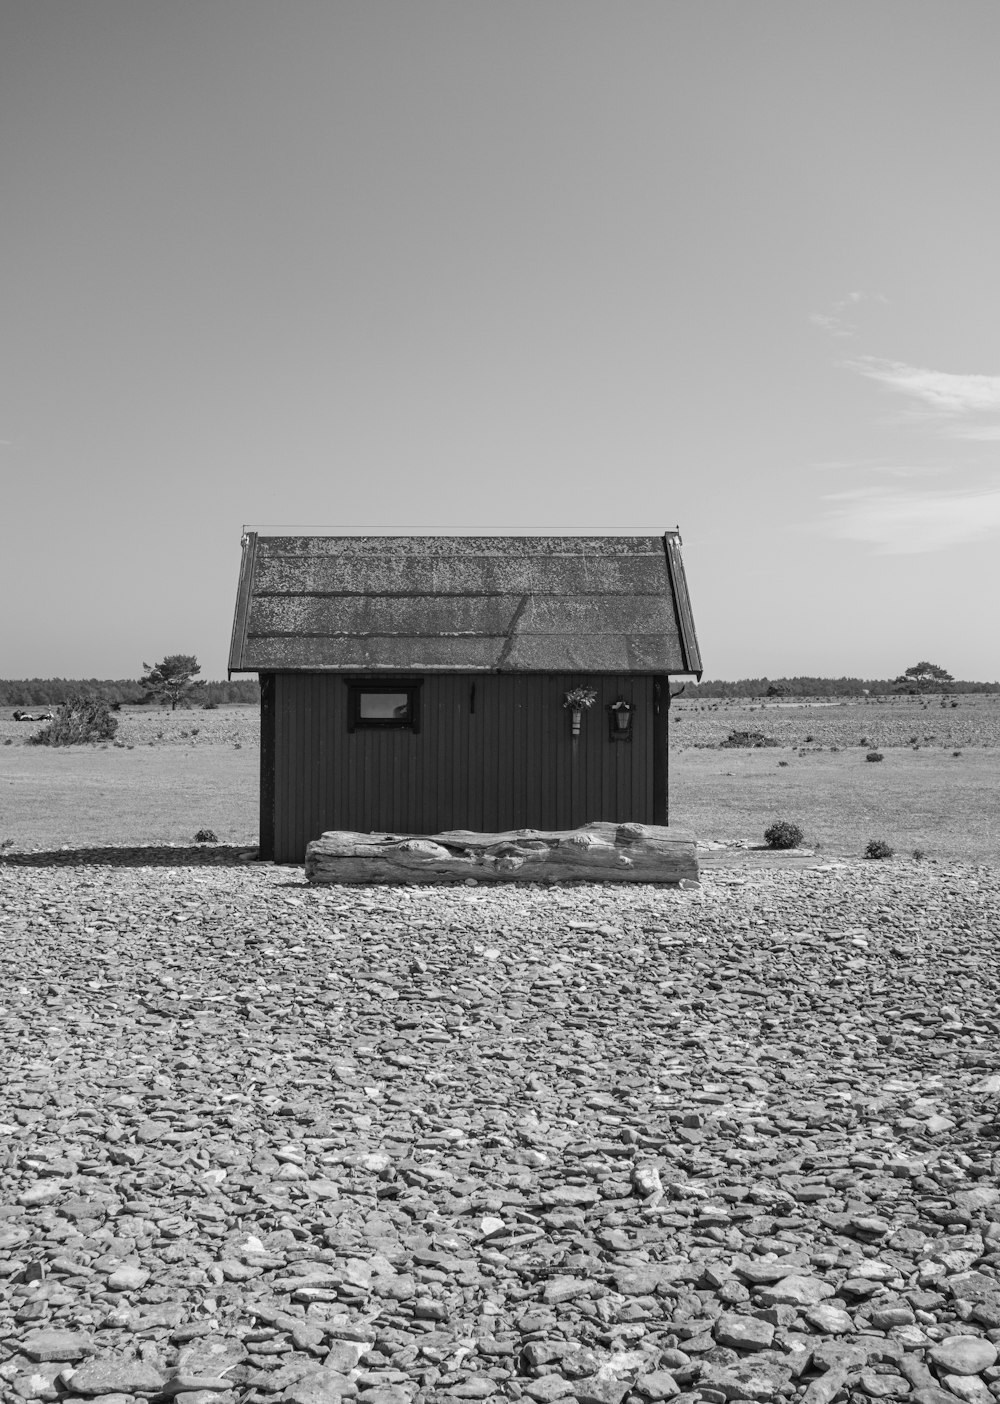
576,702
620,715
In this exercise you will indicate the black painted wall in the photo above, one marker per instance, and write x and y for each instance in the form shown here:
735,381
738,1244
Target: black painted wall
494,752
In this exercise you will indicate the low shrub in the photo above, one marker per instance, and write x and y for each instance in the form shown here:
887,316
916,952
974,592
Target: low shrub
954,755
206,836
747,740
878,848
874,756
782,762
918,853
783,835
79,721
210,706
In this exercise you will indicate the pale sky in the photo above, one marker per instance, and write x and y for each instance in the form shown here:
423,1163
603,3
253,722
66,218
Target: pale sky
732,266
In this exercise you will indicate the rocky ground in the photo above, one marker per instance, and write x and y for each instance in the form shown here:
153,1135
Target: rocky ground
263,1142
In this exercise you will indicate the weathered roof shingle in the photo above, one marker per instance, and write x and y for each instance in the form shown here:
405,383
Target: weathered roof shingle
550,604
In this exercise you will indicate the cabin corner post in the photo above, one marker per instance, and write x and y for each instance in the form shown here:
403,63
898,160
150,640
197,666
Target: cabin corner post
267,764
661,757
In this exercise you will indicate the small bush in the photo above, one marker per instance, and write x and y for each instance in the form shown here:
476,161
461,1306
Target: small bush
747,739
864,741
79,721
783,835
874,756
808,739
954,755
210,706
8,742
918,853
782,762
206,836
878,848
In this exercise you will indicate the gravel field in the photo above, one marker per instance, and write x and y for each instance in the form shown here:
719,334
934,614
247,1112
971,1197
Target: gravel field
268,1142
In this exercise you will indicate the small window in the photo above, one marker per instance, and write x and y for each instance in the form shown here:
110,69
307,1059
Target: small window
383,703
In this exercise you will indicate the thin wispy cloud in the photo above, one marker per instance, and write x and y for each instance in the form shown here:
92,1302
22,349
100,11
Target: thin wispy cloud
837,321
952,403
898,522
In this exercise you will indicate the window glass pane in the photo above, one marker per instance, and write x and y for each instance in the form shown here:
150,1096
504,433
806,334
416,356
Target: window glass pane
383,706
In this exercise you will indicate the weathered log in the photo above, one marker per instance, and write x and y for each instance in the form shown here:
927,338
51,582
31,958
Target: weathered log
594,853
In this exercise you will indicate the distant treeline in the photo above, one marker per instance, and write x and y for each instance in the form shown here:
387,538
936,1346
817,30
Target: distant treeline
51,692
817,687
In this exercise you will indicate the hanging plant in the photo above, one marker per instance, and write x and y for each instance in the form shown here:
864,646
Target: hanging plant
576,701
579,698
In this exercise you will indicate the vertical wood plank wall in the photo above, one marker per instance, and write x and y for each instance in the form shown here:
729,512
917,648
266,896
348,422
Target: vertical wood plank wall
507,763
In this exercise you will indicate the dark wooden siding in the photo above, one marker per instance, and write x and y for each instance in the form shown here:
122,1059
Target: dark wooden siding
506,761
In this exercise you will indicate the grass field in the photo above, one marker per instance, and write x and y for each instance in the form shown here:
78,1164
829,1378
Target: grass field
161,781
950,808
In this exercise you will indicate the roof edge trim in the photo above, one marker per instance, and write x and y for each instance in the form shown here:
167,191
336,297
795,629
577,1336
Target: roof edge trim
271,530
682,603
238,641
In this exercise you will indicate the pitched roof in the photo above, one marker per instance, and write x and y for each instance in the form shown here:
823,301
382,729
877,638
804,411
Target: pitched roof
490,603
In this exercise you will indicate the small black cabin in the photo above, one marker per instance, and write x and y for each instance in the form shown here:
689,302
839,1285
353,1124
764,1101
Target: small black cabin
416,683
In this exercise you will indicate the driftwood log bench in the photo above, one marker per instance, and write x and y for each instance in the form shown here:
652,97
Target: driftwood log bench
594,853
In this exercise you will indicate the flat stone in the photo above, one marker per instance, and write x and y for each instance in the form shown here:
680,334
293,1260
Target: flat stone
57,1345
823,1390
638,1282
743,1332
899,1314
43,1192
474,1389
748,1379
964,1355
830,1319
761,1273
658,1384
185,1383
839,1355
581,1195
149,1131
601,1388
883,1386
547,1387
320,1387
974,1287
795,1290
127,1278
110,1376
565,1289
968,1387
